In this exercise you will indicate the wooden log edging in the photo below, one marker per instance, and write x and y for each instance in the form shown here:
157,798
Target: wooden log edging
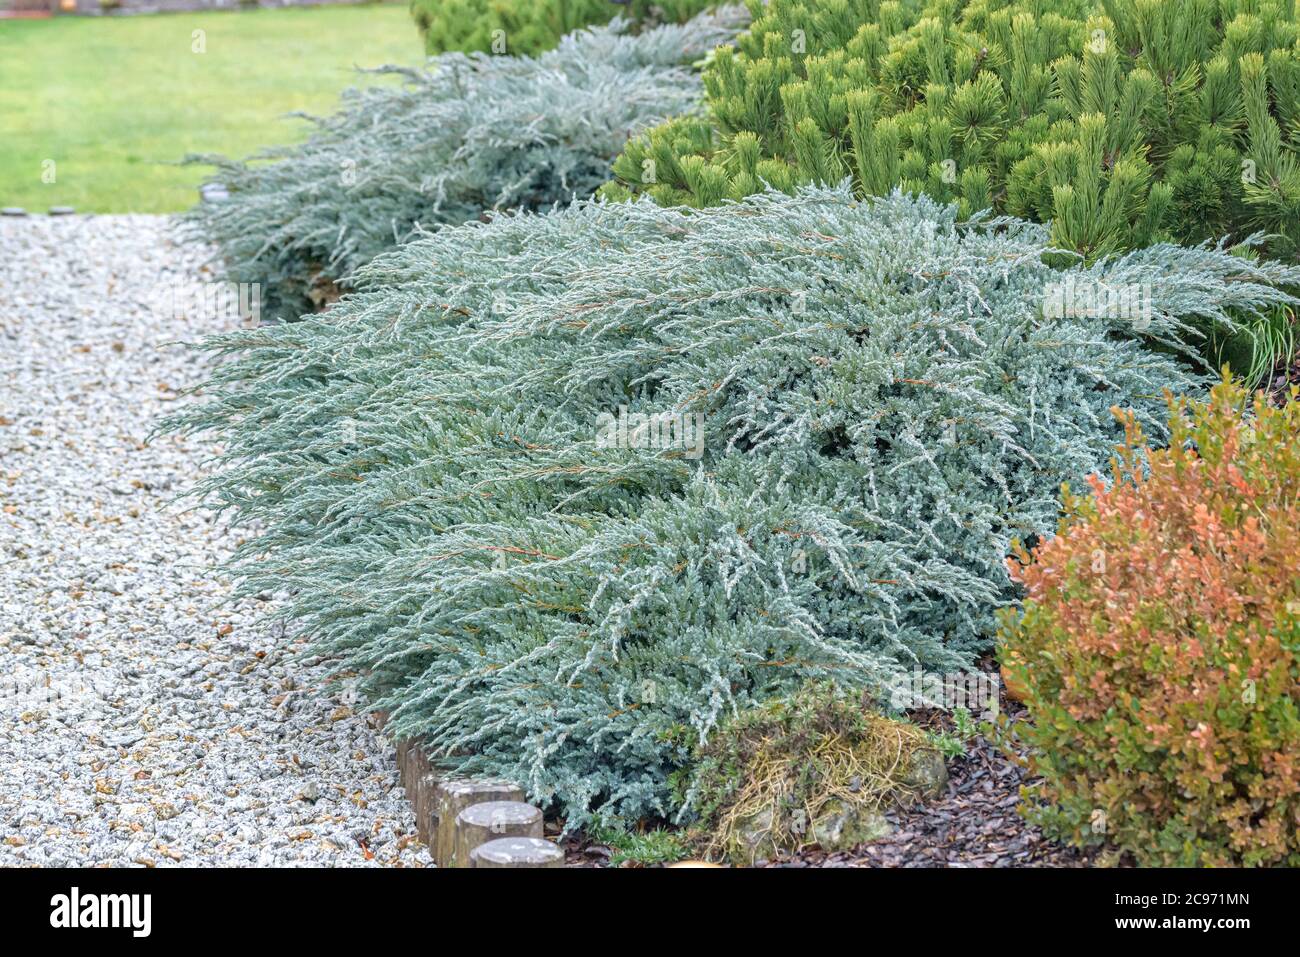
472,822
450,799
488,820
517,852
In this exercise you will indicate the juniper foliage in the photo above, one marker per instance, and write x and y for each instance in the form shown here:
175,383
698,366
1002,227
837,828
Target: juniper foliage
883,407
530,27
469,134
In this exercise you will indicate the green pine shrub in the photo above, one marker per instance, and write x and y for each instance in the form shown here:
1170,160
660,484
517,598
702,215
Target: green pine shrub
468,135
572,488
1159,647
1122,122
530,27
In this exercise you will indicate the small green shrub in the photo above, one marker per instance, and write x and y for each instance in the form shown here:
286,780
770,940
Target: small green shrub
649,847
952,743
530,27
1160,644
573,488
469,135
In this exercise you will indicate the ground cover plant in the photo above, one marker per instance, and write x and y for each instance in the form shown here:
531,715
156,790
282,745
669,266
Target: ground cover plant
83,94
1120,122
1158,644
572,488
530,27
468,135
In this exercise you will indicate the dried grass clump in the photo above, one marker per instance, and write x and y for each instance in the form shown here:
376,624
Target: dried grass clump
814,768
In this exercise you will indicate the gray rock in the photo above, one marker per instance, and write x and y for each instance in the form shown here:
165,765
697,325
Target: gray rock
754,837
928,774
840,827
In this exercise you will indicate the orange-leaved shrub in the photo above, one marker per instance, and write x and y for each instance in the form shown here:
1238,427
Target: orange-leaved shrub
1158,647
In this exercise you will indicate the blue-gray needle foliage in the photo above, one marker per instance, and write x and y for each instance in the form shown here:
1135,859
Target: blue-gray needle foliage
469,134
480,475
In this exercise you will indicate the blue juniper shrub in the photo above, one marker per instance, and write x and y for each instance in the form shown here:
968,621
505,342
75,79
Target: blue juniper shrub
884,406
467,135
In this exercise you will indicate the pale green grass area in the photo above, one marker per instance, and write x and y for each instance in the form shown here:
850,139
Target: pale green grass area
111,101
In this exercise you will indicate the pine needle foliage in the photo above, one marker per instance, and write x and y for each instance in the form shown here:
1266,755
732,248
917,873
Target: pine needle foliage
530,27
882,407
469,134
1120,122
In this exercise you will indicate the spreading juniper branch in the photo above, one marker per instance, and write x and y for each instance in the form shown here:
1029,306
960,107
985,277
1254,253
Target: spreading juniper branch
470,134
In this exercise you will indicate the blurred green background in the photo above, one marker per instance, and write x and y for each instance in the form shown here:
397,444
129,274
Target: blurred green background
112,100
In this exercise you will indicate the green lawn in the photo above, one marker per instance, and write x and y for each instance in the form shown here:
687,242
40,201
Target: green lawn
113,100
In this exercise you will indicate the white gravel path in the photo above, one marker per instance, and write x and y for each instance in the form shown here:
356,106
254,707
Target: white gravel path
144,718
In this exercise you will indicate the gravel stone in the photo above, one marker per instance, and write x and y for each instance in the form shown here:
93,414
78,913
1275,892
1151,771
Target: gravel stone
147,718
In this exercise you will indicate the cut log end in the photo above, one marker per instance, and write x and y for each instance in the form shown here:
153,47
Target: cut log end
450,798
490,820
517,852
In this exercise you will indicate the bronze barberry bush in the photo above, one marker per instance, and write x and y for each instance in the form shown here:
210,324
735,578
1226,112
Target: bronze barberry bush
1158,644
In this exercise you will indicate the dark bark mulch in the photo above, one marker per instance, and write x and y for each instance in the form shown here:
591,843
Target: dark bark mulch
1279,388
